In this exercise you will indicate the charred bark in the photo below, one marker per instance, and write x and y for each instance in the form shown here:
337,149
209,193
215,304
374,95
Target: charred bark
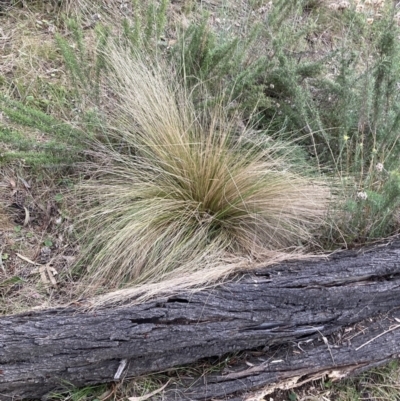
292,302
348,352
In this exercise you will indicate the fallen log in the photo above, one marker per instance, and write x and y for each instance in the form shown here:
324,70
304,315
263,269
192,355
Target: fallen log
349,352
291,302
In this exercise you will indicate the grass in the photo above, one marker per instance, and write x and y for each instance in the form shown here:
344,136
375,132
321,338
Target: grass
181,190
186,182
378,384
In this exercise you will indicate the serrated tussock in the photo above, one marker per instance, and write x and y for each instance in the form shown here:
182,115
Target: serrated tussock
177,190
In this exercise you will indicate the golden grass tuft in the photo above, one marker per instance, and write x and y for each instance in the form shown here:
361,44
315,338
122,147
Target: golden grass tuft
180,195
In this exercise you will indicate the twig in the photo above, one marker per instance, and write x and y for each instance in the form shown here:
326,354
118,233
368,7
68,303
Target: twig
326,342
379,335
28,260
147,396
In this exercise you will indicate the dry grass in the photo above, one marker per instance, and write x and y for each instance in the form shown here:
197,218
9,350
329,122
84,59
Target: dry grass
179,192
31,67
29,59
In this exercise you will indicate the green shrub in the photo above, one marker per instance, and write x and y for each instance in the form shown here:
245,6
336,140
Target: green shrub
339,106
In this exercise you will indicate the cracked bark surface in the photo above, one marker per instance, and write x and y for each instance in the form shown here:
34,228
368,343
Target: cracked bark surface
349,352
292,302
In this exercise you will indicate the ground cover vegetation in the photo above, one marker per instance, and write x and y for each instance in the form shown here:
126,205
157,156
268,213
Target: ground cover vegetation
148,142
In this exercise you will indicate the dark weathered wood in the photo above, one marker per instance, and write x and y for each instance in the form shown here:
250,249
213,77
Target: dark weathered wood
286,303
350,352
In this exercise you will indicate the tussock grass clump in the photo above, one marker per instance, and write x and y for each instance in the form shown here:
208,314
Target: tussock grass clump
180,191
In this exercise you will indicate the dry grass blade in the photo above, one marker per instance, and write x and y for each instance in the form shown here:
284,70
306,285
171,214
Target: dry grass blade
180,192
